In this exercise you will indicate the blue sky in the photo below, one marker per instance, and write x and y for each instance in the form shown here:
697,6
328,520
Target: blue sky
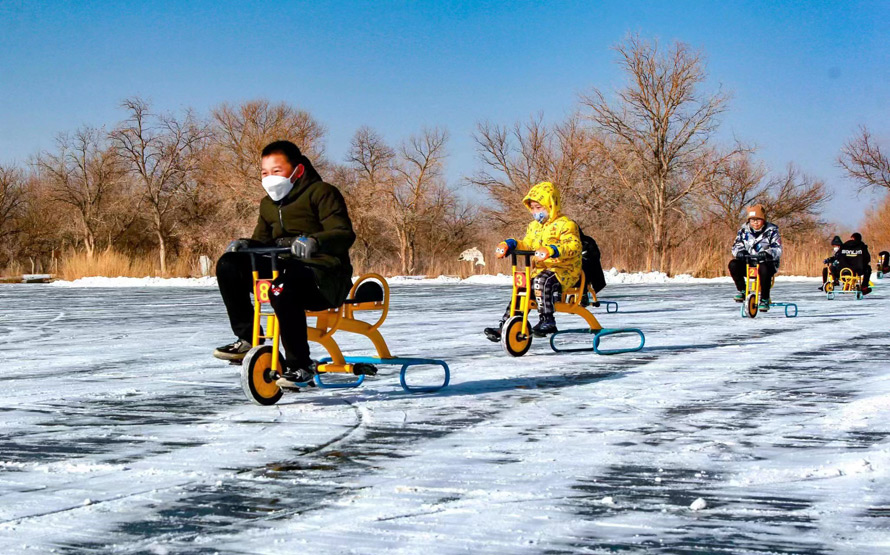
803,75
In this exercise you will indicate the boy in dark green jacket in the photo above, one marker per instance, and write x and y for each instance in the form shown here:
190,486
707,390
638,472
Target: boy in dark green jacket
303,212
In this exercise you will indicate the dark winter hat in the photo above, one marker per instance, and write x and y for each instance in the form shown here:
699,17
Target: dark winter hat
836,242
856,237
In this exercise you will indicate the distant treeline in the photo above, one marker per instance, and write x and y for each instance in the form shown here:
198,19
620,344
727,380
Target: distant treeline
640,170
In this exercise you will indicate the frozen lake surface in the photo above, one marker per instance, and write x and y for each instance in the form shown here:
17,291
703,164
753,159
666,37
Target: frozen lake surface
120,434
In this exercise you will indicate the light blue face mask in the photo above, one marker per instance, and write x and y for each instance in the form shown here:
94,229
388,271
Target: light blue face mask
541,216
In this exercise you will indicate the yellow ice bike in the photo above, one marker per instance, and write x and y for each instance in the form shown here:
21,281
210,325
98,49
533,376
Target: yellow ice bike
516,336
261,377
751,304
848,284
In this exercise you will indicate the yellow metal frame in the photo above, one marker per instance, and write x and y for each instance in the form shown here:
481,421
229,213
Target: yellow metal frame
849,281
327,322
752,275
829,279
570,304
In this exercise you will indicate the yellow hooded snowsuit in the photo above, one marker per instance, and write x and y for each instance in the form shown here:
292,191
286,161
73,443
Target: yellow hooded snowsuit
559,234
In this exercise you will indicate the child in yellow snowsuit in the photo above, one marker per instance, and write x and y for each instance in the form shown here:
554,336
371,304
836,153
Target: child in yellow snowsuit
556,241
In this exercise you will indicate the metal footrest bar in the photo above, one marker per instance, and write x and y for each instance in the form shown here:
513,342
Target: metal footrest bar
597,336
611,306
788,309
337,385
404,362
831,295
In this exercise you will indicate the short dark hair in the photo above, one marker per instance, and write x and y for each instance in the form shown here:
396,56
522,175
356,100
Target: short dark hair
856,237
289,149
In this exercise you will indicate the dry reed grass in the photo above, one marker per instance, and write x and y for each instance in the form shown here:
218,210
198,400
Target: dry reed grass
111,263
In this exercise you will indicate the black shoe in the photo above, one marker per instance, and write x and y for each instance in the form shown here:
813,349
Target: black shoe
233,351
494,334
866,289
364,369
822,287
300,373
545,326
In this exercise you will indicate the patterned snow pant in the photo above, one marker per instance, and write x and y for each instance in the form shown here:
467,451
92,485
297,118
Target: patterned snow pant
548,291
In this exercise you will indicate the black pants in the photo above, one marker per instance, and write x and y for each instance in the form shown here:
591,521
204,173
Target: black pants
835,273
739,272
292,294
548,291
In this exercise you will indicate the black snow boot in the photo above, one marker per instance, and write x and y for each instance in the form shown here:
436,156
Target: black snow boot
233,351
300,373
545,326
494,334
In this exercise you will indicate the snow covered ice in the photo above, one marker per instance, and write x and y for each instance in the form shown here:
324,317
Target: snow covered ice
120,433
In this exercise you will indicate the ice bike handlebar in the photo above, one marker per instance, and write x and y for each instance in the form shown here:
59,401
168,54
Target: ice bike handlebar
754,260
265,250
272,252
527,254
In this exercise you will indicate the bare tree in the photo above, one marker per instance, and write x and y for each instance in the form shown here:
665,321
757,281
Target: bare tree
160,151
514,158
12,199
35,239
240,133
457,230
517,157
865,162
792,199
417,194
737,184
83,174
371,163
656,136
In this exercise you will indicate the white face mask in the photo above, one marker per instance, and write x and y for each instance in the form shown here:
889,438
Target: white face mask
278,186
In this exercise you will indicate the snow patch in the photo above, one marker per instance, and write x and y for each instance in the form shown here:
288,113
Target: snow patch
137,282
859,413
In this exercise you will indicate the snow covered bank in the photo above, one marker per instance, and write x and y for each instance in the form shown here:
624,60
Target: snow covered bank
613,276
137,282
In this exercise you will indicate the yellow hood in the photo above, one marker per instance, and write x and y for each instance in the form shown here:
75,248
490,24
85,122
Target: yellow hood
545,194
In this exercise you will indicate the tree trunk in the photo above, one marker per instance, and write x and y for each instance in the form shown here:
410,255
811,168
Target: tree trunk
412,266
162,244
657,249
162,253
403,253
89,241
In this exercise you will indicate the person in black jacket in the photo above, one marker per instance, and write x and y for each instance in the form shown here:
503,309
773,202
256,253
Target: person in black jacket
854,255
831,263
302,212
